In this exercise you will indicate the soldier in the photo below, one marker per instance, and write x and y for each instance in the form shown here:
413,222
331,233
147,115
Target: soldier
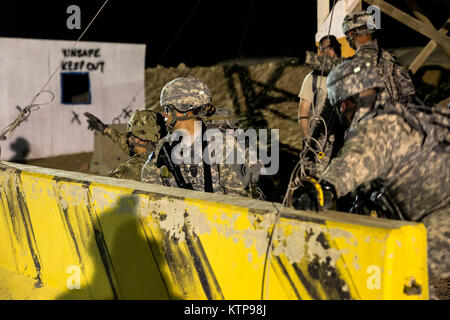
186,102
314,88
312,96
399,87
405,149
144,130
118,138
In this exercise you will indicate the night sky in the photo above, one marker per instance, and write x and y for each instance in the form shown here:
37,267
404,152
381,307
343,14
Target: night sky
198,32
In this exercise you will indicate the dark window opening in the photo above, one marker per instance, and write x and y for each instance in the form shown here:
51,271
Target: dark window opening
75,88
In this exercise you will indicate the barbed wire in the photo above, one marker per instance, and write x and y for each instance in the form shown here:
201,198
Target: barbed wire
23,115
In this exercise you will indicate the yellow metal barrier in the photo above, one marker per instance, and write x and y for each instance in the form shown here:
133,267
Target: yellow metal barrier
66,235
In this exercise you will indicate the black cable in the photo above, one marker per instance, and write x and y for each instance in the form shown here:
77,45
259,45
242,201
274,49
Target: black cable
179,32
244,34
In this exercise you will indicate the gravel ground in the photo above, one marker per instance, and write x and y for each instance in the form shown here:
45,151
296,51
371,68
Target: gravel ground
442,287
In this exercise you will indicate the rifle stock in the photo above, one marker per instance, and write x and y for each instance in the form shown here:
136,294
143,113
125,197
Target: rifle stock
165,160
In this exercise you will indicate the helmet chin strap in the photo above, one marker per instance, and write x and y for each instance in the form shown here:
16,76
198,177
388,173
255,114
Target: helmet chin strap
176,118
350,40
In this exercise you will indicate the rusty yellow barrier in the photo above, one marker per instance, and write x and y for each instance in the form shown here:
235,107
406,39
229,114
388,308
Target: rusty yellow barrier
66,235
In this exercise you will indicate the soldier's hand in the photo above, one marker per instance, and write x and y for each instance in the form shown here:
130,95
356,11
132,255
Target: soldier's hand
95,123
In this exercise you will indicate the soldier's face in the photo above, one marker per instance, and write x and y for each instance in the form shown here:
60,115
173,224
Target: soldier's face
350,36
325,49
168,118
166,114
347,110
132,140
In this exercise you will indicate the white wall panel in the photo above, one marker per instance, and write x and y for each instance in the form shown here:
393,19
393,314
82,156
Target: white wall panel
25,66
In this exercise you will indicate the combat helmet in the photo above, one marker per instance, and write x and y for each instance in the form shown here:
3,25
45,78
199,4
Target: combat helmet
186,94
351,78
358,21
146,125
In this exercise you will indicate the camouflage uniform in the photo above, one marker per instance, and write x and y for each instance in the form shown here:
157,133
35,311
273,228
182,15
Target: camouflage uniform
398,83
187,94
230,179
325,63
317,165
131,168
118,138
401,147
399,86
144,125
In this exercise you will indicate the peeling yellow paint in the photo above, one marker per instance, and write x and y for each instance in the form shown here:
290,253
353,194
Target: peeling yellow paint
134,240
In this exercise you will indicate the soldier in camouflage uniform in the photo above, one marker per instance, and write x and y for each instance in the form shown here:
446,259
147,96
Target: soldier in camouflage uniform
397,83
144,130
405,148
399,87
120,139
186,102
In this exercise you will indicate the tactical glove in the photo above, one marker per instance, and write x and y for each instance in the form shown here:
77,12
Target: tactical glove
95,123
310,199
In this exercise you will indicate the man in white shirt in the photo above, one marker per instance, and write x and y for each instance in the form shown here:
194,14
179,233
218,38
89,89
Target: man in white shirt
314,88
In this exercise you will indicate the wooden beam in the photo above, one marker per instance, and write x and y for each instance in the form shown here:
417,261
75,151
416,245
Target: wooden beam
431,45
323,9
427,50
413,23
412,4
422,56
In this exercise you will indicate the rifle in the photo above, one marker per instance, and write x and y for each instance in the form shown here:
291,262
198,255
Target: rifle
165,160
